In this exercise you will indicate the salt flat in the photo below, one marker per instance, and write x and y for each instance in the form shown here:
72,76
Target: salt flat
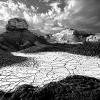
42,68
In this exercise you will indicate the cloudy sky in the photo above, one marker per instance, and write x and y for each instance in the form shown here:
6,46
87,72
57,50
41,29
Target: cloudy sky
47,15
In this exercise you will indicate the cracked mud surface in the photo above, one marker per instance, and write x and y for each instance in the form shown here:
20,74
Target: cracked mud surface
42,68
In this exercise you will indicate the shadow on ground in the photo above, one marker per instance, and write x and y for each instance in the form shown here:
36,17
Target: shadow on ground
8,59
86,49
71,88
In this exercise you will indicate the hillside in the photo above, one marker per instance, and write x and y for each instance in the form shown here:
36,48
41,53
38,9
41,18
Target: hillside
7,59
85,49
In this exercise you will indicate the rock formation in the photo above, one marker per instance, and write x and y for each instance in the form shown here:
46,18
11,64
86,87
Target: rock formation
66,36
17,24
93,38
18,37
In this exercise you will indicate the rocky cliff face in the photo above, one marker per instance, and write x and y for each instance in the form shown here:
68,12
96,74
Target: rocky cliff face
69,36
93,38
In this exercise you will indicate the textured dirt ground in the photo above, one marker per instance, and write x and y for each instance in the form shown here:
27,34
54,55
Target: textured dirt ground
42,68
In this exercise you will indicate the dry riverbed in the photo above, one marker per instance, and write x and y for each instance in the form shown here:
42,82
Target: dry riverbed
42,68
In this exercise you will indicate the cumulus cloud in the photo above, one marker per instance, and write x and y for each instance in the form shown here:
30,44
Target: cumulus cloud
54,5
78,14
11,9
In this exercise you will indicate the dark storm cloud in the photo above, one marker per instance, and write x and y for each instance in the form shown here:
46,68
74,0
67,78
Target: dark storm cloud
43,7
43,4
88,16
85,15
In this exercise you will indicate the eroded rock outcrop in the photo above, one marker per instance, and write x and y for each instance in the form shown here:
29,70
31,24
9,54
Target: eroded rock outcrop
18,37
69,36
93,38
17,24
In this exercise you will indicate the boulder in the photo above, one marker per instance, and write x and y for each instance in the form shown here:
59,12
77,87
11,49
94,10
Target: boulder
89,38
17,24
93,38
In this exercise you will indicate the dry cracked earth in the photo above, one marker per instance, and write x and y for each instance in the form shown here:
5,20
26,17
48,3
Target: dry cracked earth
44,67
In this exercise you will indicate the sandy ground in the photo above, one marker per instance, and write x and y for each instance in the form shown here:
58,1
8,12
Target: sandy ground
42,68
